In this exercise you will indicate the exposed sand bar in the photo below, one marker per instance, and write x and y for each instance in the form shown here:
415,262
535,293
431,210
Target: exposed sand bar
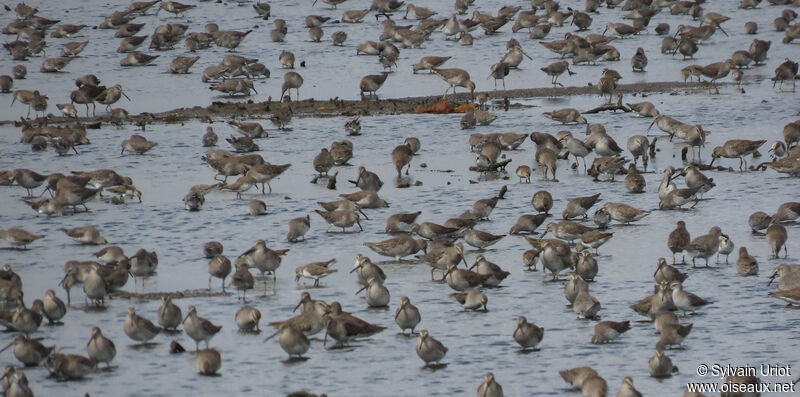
248,109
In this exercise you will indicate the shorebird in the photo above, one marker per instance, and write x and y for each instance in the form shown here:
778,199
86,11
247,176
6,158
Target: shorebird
407,316
340,218
199,328
490,387
429,63
247,319
86,235
546,160
101,349
242,280
314,271
527,335
585,305
455,78
566,115
377,295
557,69
736,148
371,83
291,340
401,222
262,258
673,334
606,331
28,351
639,60
138,328
725,248
398,247
634,181
746,265
577,377
786,71
478,238
298,227
174,7
208,362
776,238
624,213
786,212
54,308
19,237
685,301
292,80
705,246
661,366
665,272
169,314
137,144
429,349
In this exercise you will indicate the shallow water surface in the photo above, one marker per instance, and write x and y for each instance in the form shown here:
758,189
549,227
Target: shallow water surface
743,325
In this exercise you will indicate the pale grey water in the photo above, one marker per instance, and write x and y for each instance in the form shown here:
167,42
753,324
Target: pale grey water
743,326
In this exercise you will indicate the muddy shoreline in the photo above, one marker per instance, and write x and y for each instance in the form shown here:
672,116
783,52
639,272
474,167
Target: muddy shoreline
248,109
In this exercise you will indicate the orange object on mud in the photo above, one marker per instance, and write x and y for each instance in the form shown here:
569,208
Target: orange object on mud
444,107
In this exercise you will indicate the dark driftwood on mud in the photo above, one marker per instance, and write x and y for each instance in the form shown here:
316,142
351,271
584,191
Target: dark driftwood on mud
338,107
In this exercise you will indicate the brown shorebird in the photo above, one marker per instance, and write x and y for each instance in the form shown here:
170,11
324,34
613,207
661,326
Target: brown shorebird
746,264
455,78
371,83
234,87
135,58
340,218
606,331
661,366
557,69
429,63
546,160
199,328
137,144
490,387
138,328
292,80
169,314
736,148
684,300
220,267
298,227
398,247
401,157
542,201
401,222
665,272
704,246
566,115
786,71
181,65
208,362
776,238
86,235
639,60
673,334
247,319
174,7
19,237
314,271
101,349
527,335
429,349
717,71
407,315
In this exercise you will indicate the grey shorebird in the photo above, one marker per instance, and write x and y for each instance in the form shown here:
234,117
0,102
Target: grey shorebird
776,238
169,314
208,361
314,271
490,387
